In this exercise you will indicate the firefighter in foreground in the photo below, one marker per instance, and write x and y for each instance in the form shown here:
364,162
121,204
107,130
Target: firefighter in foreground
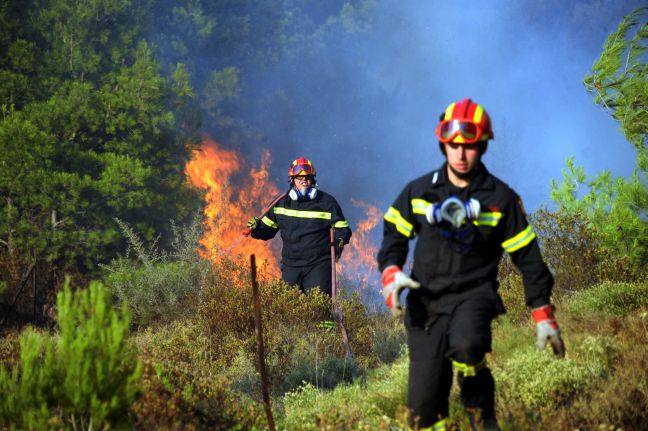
464,219
304,217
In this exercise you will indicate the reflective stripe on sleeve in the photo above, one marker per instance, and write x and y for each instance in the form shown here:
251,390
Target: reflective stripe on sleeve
419,206
341,223
518,241
302,214
403,226
266,221
488,218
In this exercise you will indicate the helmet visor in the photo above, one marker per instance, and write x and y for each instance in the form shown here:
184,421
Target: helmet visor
448,130
301,169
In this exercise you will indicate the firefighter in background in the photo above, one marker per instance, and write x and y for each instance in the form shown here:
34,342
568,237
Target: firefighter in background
304,217
464,219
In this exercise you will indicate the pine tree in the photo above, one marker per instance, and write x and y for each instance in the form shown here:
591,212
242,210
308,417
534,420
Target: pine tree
617,207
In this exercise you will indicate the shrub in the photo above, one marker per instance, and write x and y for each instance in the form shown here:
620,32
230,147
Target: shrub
372,406
536,379
295,345
159,285
611,298
572,249
86,376
388,337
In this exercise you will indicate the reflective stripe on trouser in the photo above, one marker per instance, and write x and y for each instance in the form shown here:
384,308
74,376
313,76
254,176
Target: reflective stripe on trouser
309,277
439,426
463,337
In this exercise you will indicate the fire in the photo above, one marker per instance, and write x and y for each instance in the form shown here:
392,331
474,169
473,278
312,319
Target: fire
358,263
235,192
231,199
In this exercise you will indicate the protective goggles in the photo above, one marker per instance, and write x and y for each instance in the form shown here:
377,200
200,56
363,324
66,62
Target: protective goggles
303,169
448,130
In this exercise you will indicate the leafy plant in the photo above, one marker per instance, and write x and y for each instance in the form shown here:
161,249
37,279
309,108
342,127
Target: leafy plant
612,298
617,209
88,375
155,284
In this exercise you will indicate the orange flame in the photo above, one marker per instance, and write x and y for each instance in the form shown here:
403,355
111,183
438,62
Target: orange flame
358,263
231,202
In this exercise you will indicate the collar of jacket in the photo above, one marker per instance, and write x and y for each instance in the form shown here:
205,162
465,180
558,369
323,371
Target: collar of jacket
481,181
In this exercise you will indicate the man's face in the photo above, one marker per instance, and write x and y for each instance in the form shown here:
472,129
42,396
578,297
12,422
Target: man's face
462,158
303,181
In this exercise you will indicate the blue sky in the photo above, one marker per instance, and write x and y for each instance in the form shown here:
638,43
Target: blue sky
369,120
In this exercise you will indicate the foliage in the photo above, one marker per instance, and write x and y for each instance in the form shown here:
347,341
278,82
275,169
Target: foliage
184,388
619,76
351,407
156,284
296,346
611,298
89,131
536,379
617,208
86,376
616,220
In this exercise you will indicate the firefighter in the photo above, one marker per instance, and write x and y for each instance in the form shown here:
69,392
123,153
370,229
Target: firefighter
464,218
304,217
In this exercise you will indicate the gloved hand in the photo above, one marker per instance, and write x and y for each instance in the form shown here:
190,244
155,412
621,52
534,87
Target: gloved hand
252,223
394,281
453,210
547,329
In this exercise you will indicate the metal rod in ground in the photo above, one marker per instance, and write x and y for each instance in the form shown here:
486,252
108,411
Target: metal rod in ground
337,310
260,351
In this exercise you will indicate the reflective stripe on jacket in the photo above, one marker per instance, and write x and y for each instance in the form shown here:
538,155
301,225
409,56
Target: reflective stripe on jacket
304,226
454,260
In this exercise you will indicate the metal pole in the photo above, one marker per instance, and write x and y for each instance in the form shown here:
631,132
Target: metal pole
260,351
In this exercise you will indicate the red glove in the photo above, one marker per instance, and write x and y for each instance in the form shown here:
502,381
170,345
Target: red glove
394,281
547,329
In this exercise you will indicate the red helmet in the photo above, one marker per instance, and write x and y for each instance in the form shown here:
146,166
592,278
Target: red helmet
464,122
301,166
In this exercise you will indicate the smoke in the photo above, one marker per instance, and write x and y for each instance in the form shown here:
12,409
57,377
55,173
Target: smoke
364,105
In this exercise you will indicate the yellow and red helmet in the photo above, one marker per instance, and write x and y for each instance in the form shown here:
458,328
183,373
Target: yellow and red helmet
464,122
301,166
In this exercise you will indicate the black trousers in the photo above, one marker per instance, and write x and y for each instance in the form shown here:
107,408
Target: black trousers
459,332
309,277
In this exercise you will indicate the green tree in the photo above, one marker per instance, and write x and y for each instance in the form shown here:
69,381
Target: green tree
99,134
87,376
616,207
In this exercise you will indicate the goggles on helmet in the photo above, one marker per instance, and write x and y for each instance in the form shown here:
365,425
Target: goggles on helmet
301,170
448,130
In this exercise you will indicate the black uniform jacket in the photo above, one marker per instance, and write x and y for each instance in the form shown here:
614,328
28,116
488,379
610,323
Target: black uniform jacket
450,260
305,227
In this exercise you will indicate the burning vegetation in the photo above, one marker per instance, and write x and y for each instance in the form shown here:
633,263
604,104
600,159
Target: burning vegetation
235,191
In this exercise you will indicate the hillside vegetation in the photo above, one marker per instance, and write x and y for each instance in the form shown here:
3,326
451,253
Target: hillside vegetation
112,321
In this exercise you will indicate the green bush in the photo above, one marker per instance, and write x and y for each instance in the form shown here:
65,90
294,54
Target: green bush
376,405
86,376
159,285
295,345
536,379
617,299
